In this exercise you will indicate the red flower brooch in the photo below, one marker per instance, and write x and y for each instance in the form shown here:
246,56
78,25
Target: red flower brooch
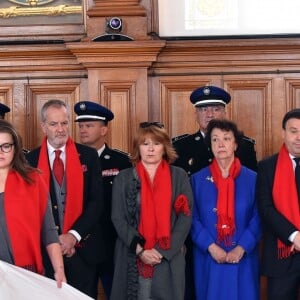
181,205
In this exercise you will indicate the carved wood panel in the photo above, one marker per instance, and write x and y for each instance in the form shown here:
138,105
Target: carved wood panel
250,102
120,98
38,94
125,92
6,98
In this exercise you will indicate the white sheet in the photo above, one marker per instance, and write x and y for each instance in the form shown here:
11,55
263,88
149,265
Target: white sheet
17,283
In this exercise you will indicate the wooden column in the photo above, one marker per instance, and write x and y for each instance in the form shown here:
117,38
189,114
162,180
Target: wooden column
118,79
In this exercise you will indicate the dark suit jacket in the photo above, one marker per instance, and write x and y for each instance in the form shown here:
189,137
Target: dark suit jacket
194,154
275,225
87,225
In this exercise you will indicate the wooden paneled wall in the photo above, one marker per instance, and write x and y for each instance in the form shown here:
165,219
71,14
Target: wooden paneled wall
150,78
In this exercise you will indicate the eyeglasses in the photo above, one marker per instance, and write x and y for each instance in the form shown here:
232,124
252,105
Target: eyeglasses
6,147
148,124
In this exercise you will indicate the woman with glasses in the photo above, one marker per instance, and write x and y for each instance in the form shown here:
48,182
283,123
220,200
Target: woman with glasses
226,226
151,211
25,216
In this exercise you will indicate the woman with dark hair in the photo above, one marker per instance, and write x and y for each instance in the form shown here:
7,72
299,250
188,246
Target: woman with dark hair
226,226
151,211
25,214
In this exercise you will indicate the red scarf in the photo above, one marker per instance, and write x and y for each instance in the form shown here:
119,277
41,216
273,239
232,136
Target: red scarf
155,213
24,207
225,201
74,181
285,195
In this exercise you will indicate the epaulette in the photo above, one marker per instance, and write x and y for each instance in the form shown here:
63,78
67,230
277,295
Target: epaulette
179,137
249,139
121,152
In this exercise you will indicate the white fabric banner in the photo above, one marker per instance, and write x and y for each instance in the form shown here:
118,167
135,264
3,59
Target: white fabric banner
17,283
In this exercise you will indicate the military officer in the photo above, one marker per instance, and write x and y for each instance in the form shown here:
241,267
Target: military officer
209,103
194,154
93,121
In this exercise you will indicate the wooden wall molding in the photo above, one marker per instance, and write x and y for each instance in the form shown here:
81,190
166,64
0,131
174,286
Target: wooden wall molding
293,92
106,8
37,58
116,54
229,57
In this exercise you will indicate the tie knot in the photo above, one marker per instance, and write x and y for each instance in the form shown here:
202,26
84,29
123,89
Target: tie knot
57,153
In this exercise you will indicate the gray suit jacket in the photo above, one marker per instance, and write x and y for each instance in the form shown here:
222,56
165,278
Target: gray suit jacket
168,279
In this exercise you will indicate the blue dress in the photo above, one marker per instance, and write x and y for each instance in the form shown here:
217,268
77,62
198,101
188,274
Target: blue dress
215,281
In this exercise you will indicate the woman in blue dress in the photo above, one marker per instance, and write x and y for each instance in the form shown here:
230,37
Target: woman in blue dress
226,227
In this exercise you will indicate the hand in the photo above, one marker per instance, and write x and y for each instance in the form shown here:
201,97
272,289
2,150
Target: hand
235,255
296,242
151,257
217,253
71,252
60,277
67,242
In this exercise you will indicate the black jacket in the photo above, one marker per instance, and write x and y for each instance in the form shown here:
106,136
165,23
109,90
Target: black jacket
87,225
275,225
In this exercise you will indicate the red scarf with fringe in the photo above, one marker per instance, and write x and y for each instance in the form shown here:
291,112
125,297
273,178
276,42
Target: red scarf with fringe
74,181
24,207
285,195
225,201
155,213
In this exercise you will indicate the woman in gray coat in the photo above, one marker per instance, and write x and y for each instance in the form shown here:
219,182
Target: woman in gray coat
151,211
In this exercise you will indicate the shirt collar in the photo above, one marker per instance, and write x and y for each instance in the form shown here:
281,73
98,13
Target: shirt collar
100,151
51,149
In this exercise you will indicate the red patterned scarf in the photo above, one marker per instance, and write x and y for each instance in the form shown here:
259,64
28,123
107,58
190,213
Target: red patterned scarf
225,201
74,181
24,207
285,195
155,214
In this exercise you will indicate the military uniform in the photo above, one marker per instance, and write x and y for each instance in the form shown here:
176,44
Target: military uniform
112,162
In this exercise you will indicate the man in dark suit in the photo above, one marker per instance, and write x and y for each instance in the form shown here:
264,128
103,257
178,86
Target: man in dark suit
194,154
77,201
93,121
278,204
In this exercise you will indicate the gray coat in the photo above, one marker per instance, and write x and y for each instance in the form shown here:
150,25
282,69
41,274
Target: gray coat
168,281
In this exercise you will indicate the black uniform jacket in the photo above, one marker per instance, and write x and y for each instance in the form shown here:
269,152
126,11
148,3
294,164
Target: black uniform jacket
87,225
194,154
112,162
